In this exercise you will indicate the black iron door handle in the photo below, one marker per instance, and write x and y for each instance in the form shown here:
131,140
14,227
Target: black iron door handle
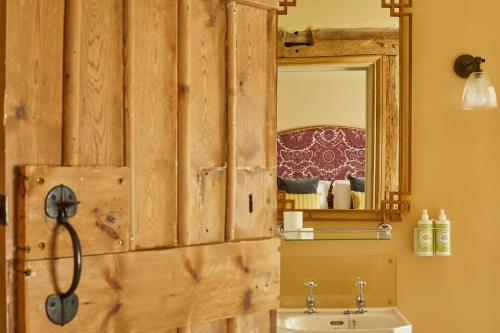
77,255
62,308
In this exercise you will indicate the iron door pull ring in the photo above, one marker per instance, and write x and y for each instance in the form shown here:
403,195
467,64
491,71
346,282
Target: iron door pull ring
77,254
62,308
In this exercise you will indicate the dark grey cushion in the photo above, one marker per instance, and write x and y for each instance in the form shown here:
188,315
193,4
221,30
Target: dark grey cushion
357,183
299,186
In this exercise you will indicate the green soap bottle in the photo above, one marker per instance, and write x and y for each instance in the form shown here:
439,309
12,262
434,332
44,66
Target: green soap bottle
424,236
442,246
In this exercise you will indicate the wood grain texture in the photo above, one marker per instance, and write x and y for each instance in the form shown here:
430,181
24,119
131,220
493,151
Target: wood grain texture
338,42
252,86
3,260
32,107
259,322
10,325
151,105
217,326
102,219
255,213
390,127
254,123
251,203
33,90
202,27
262,4
93,90
152,291
232,104
272,95
201,125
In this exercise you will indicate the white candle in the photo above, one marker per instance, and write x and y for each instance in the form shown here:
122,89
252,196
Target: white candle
293,220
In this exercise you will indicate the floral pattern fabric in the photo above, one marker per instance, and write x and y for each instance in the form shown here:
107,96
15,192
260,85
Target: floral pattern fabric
333,153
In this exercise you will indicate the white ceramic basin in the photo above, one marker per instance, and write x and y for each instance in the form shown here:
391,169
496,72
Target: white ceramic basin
376,320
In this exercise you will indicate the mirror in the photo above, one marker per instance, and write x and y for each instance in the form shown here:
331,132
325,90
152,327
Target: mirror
344,91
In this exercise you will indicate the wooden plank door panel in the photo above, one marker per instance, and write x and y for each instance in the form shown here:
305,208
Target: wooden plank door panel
151,120
255,214
251,130
255,86
151,84
32,111
201,112
151,291
93,89
33,90
102,219
251,323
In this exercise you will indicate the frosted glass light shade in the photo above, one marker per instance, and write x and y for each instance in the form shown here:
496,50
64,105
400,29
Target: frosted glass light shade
479,93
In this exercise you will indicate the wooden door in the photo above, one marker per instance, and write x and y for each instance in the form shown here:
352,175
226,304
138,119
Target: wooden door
161,116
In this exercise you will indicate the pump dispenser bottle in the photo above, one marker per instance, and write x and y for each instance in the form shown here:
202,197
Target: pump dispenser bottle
424,242
442,229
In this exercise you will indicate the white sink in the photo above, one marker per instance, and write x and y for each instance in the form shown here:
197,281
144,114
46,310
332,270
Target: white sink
376,320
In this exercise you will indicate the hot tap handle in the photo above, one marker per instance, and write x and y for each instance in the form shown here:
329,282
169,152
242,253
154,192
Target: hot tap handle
310,286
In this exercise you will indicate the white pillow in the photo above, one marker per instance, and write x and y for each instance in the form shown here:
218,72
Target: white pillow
323,187
342,194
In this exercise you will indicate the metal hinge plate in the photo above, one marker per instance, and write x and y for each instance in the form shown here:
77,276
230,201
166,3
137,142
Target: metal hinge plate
3,209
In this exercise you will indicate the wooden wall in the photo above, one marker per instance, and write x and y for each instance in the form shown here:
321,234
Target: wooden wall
180,91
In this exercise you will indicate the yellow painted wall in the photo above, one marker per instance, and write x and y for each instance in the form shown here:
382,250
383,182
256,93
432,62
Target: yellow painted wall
456,162
321,96
337,14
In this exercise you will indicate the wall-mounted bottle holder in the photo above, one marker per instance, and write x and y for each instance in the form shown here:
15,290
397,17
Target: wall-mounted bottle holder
430,242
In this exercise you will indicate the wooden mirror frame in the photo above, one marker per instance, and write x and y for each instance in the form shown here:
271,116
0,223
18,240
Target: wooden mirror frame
395,203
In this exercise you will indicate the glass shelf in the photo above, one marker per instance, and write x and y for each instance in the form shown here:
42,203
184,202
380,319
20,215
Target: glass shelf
383,232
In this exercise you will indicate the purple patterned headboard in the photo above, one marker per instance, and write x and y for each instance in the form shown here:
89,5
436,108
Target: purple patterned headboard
331,152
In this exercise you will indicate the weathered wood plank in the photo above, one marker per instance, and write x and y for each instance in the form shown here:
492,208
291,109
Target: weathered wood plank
272,87
338,42
251,203
232,103
151,104
102,219
93,90
252,83
201,93
3,261
262,4
32,107
252,323
255,105
33,91
255,213
10,285
201,112
390,126
151,291
217,326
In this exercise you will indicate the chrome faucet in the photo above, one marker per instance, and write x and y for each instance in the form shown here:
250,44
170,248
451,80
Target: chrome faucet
360,300
310,301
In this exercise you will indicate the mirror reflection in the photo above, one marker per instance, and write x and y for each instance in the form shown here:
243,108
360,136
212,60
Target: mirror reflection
337,105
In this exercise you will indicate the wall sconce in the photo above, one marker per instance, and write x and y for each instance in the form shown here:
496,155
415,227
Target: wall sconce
479,93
